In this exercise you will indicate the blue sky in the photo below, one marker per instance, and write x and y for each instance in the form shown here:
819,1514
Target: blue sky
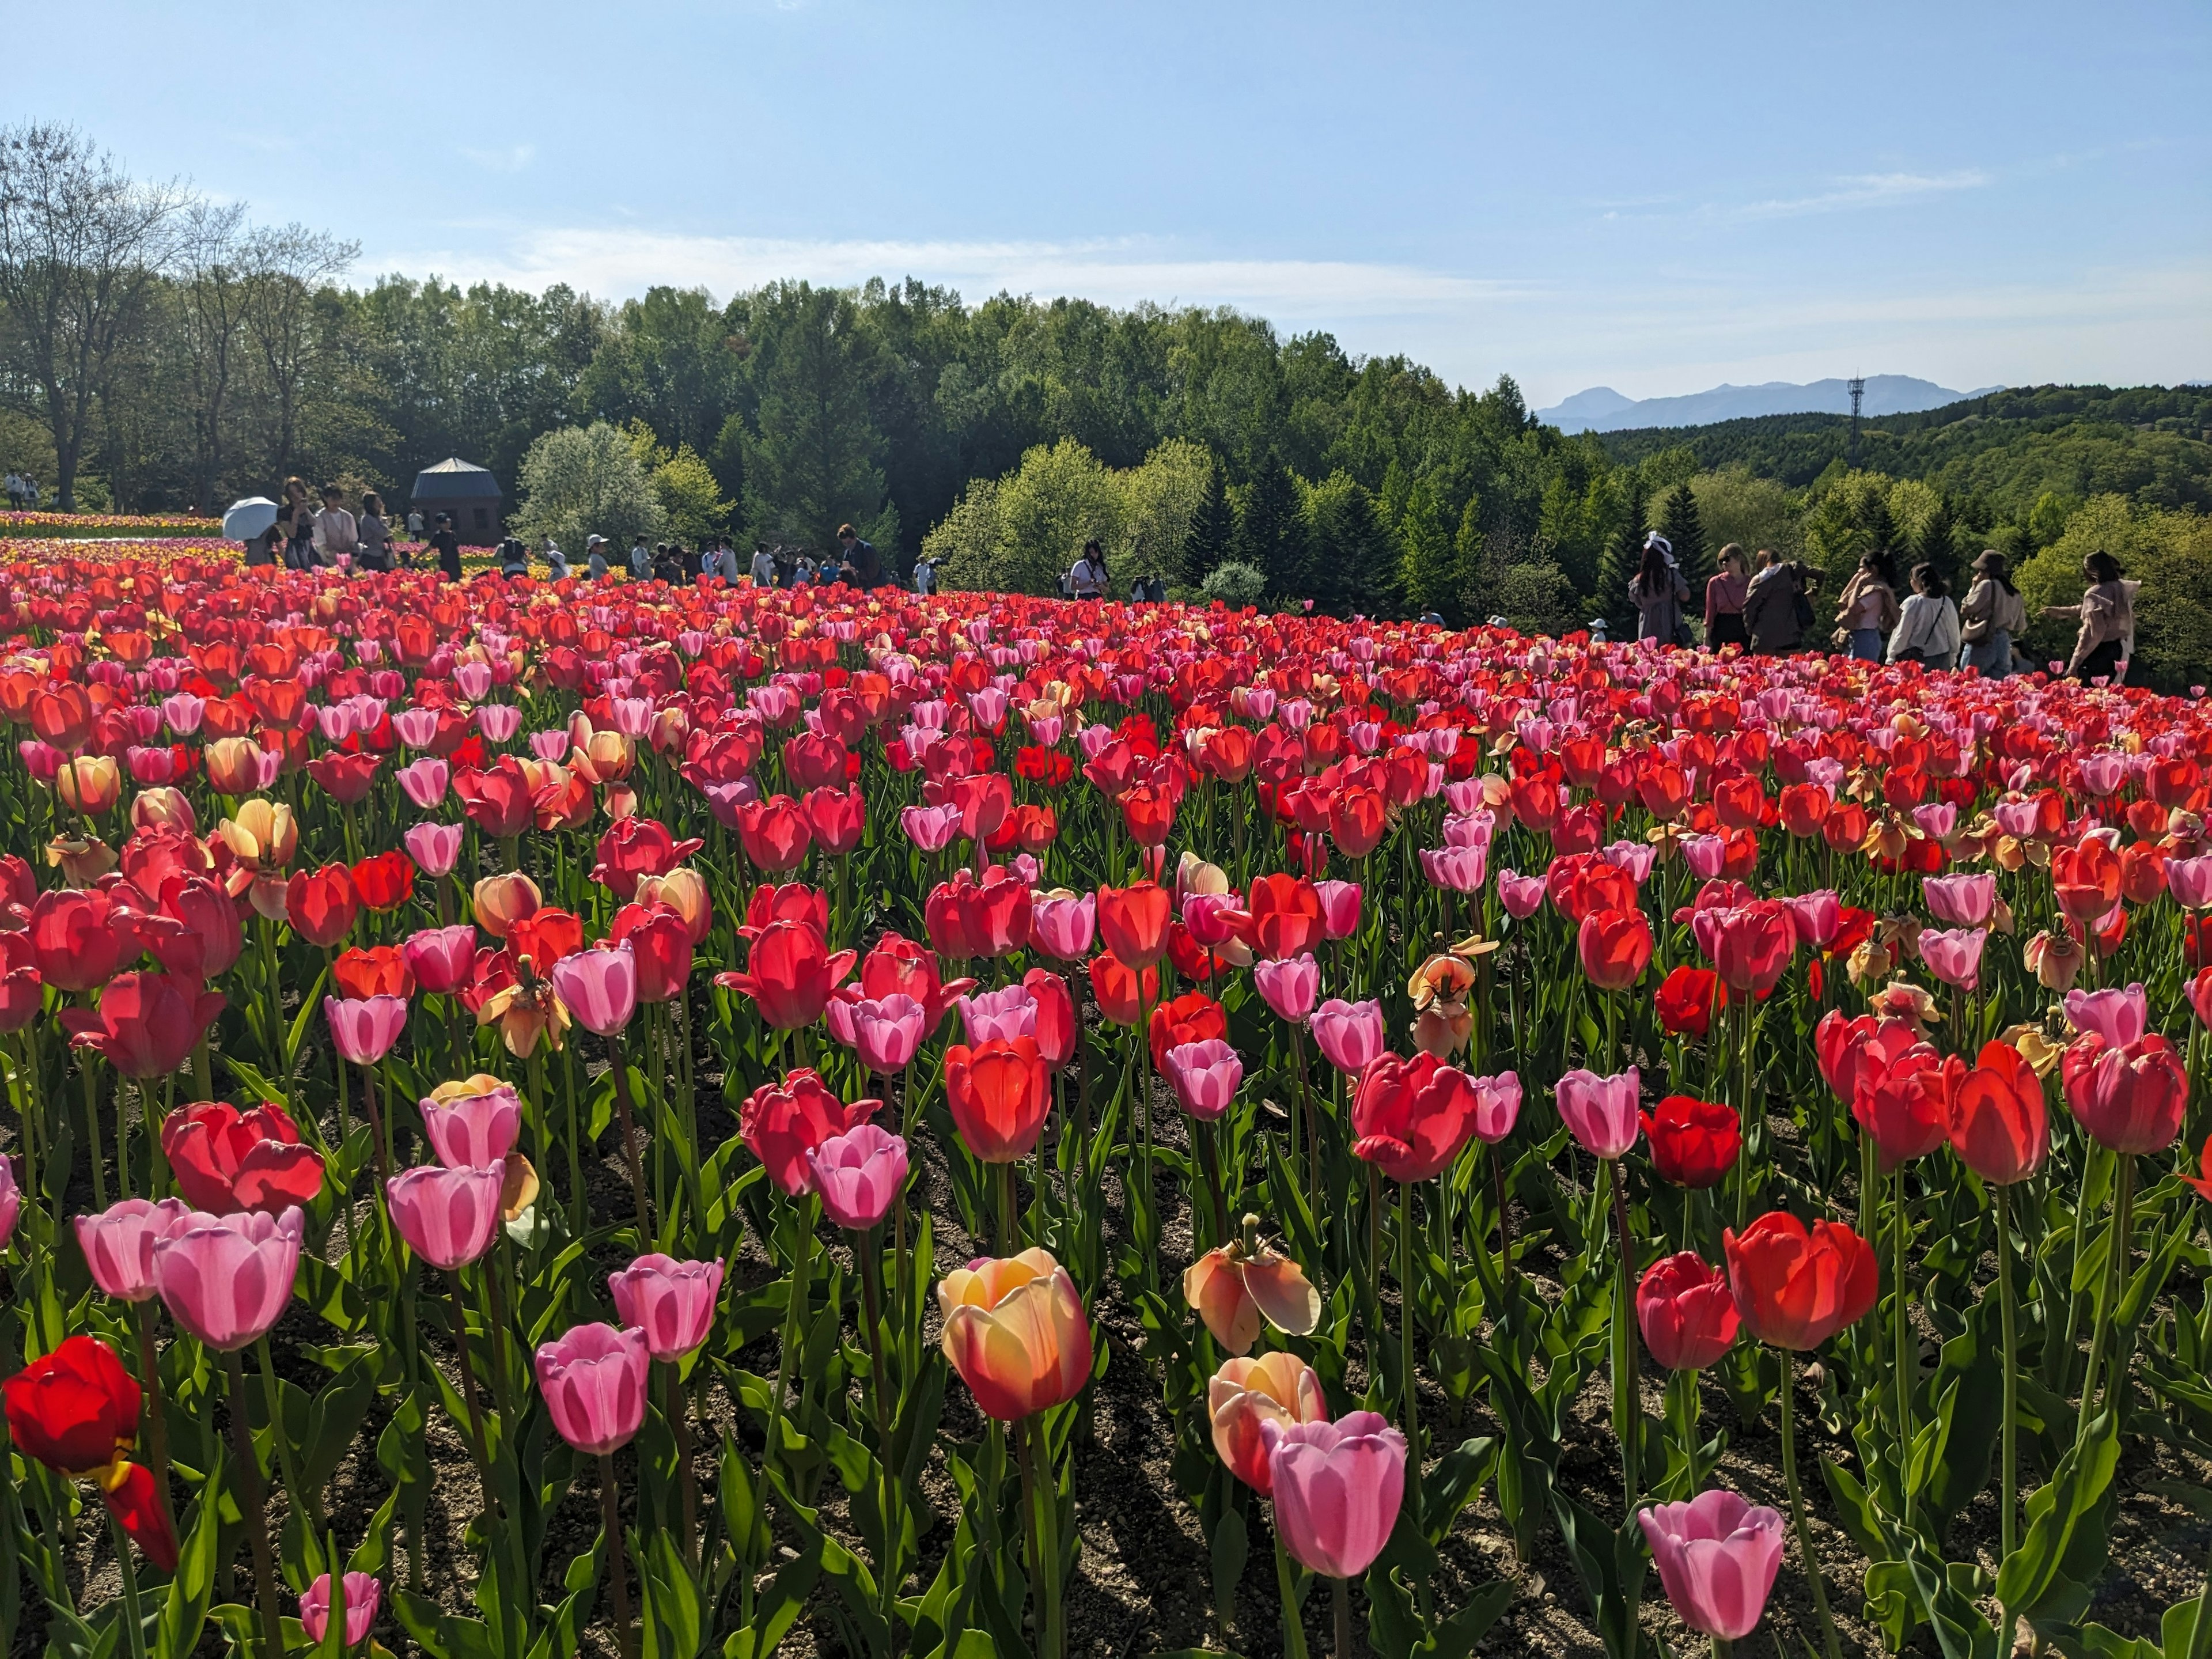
1657,198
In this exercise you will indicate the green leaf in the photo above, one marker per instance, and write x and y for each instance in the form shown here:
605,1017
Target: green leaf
1960,1629
2056,1512
1230,1546
184,1609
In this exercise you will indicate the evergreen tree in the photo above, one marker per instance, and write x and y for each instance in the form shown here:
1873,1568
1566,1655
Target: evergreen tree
1397,488
1475,571
1211,527
1937,544
1271,533
1428,559
1676,519
1880,527
1355,563
1616,568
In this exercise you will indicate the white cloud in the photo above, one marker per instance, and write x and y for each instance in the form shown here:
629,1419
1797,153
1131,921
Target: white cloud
612,261
1867,190
513,159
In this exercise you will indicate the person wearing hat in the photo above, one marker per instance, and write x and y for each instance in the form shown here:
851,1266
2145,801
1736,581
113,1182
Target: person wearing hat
595,557
2107,616
1659,592
556,562
1993,615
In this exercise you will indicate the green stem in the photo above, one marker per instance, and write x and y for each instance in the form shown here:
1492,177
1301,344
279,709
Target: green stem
1294,1629
611,1525
1044,1495
1340,1591
309,1503
1906,1361
2114,1279
1797,1506
1628,1414
793,1313
255,1504
1410,1393
2007,1514
134,1621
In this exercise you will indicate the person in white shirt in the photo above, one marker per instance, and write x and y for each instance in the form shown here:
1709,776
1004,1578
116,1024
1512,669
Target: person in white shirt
414,525
15,487
925,574
1086,578
1928,628
335,533
641,559
763,566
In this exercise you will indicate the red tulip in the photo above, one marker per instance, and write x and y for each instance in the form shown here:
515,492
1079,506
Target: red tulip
968,918
1849,1049
543,937
999,1094
1194,1017
775,833
1057,1026
899,967
1796,1286
2131,1098
196,934
379,970
227,1161
1687,1000
838,817
496,799
321,906
1615,947
1686,1312
1132,921
1902,1106
1286,916
789,974
1693,1142
633,848
1121,992
1752,945
385,881
781,1122
662,947
1998,1125
146,1023
79,939
792,901
1412,1118
2087,879
345,778
75,1410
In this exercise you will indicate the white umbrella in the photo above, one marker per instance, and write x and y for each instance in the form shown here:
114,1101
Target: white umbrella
247,519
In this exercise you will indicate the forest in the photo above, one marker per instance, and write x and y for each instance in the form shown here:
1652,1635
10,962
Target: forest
182,356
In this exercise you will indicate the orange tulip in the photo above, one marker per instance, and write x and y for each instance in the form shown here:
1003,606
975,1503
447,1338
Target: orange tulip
999,1094
1277,1387
1797,1286
1132,921
1016,1332
1234,1285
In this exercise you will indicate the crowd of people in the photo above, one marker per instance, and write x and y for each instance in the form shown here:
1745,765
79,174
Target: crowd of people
22,492
1770,612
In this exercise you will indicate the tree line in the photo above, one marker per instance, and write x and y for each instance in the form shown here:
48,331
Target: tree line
162,351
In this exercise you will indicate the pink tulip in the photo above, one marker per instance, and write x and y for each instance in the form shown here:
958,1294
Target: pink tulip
1497,1107
672,1302
1337,1489
1961,901
859,1174
1601,1110
434,847
1815,915
447,1216
364,1031
600,987
473,1131
2132,1099
424,780
2190,881
1010,1012
118,1242
1717,1557
593,1379
1470,830
1289,985
499,721
1063,925
1349,1034
362,1595
11,1201
1705,854
1204,1076
225,1279
930,827
1520,895
886,1032
1339,908
442,959
1456,869
1936,819
2120,1017
1954,955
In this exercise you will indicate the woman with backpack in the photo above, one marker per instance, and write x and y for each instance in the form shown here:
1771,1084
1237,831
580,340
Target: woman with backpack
1992,617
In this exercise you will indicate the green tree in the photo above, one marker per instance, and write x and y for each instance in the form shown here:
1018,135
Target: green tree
1427,560
1616,568
689,493
578,482
1538,598
1937,541
1210,525
812,455
1356,558
2169,552
1676,519
1271,533
1754,512
1020,533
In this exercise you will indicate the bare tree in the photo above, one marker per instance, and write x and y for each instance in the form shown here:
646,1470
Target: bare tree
210,317
286,270
82,245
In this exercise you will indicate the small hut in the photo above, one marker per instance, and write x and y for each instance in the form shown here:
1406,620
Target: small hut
466,492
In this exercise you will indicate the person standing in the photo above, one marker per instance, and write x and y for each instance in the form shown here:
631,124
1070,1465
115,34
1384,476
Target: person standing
337,537
447,547
1993,615
1866,610
1659,592
556,562
2107,616
513,556
1770,614
375,534
763,566
1724,601
595,557
641,559
862,566
414,524
1928,625
1086,577
14,486
925,574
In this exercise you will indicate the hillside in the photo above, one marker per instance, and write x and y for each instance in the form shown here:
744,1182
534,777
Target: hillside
1601,409
2006,449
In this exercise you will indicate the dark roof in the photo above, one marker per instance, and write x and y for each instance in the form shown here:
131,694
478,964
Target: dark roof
454,479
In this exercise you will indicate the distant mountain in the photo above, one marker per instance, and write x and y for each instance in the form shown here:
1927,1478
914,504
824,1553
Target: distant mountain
1601,409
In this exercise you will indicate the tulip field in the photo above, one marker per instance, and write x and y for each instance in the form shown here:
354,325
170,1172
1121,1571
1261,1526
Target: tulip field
553,1118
